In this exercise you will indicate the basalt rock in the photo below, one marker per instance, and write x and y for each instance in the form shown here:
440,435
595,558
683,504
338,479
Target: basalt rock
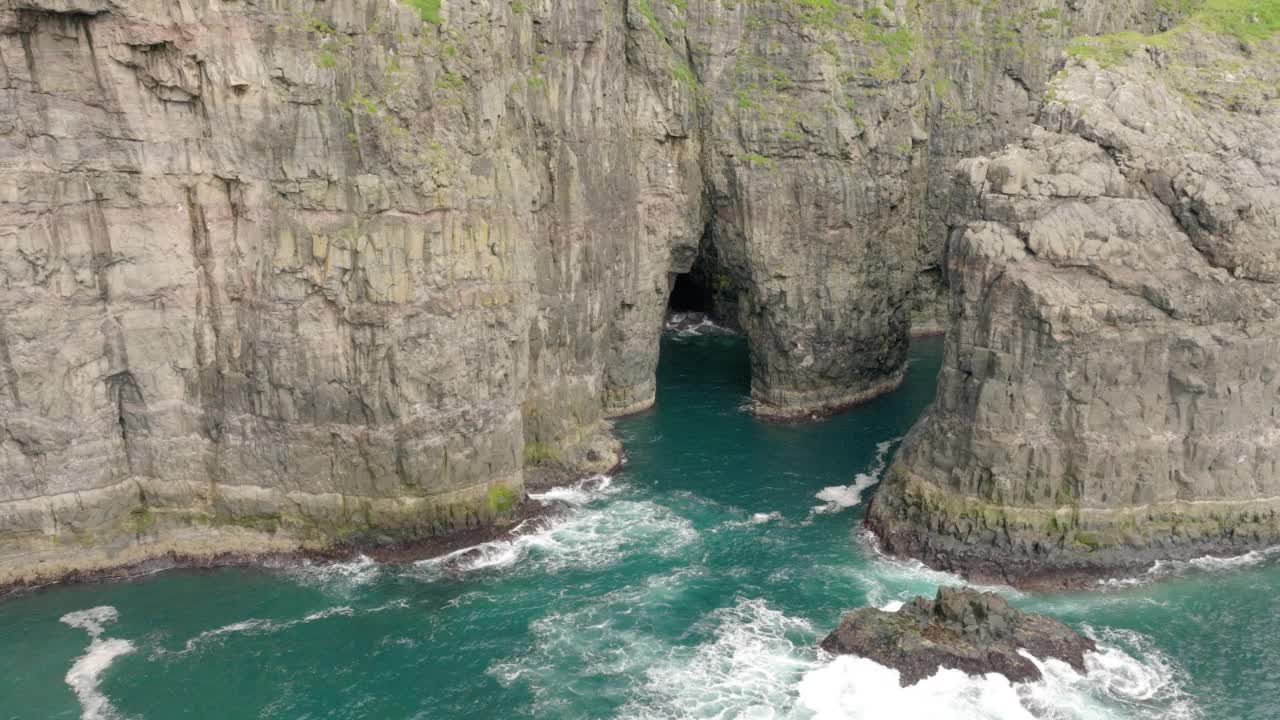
975,632
1109,395
289,274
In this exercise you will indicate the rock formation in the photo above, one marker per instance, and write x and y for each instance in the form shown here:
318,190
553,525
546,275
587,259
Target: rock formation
1110,393
285,274
961,629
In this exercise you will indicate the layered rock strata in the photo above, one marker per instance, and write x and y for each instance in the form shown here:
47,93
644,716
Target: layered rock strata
281,275
1109,394
289,274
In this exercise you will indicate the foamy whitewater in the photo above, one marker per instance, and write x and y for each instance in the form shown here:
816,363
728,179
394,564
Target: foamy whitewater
755,660
694,324
88,668
696,582
841,497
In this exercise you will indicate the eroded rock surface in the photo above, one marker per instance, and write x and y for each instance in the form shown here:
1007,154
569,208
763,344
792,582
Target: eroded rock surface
1109,394
962,629
288,274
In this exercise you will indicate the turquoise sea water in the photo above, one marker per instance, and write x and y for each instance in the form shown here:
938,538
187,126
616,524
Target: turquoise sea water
694,583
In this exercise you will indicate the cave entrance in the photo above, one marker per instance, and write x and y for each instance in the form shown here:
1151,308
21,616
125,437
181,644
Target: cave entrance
690,294
706,292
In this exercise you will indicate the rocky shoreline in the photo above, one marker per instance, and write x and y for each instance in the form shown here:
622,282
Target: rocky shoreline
530,512
992,549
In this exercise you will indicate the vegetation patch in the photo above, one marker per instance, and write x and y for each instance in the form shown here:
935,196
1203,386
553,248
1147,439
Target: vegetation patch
428,9
537,453
502,499
1248,21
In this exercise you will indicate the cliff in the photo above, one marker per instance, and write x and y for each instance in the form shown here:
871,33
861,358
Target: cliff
280,275
1109,394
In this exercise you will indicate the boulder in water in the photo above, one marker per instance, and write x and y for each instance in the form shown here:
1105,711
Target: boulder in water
976,632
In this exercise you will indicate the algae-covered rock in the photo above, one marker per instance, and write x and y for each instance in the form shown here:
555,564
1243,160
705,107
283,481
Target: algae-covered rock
963,629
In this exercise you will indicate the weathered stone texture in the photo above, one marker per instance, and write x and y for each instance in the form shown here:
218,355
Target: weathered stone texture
332,270
1109,392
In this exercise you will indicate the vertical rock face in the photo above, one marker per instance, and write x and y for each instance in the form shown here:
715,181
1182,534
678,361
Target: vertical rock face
1109,395
812,145
988,66
280,274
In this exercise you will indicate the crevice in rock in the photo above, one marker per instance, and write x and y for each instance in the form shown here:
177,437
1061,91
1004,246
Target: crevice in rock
6,361
131,415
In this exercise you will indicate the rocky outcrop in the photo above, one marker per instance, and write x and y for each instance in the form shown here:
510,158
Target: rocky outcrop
988,67
1109,395
961,629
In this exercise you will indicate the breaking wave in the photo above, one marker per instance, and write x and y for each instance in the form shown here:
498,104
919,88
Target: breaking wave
760,663
886,579
693,324
589,537
1115,686
1208,564
581,492
86,673
841,497
749,667
338,577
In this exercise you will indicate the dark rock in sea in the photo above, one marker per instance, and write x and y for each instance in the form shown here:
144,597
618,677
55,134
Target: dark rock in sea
964,629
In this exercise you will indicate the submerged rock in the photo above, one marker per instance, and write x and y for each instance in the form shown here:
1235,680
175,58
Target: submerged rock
976,632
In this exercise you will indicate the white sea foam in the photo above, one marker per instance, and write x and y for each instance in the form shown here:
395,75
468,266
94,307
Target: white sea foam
760,663
258,626
86,672
1207,564
749,668
251,626
1211,564
1115,686
841,497
886,579
694,324
92,620
587,537
581,492
853,688
338,577
755,519
605,641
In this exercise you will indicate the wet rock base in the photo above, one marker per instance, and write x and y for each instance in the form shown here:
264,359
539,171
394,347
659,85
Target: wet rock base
975,632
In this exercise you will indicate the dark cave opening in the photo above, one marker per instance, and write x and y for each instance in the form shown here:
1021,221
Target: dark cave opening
708,290
689,293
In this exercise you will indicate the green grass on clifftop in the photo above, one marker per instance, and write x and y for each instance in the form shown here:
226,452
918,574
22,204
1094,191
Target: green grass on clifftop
1245,20
1248,21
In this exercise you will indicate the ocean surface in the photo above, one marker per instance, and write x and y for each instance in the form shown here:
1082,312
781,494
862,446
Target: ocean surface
694,583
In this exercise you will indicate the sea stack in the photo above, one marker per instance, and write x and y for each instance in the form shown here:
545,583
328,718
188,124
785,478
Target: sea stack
1111,385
